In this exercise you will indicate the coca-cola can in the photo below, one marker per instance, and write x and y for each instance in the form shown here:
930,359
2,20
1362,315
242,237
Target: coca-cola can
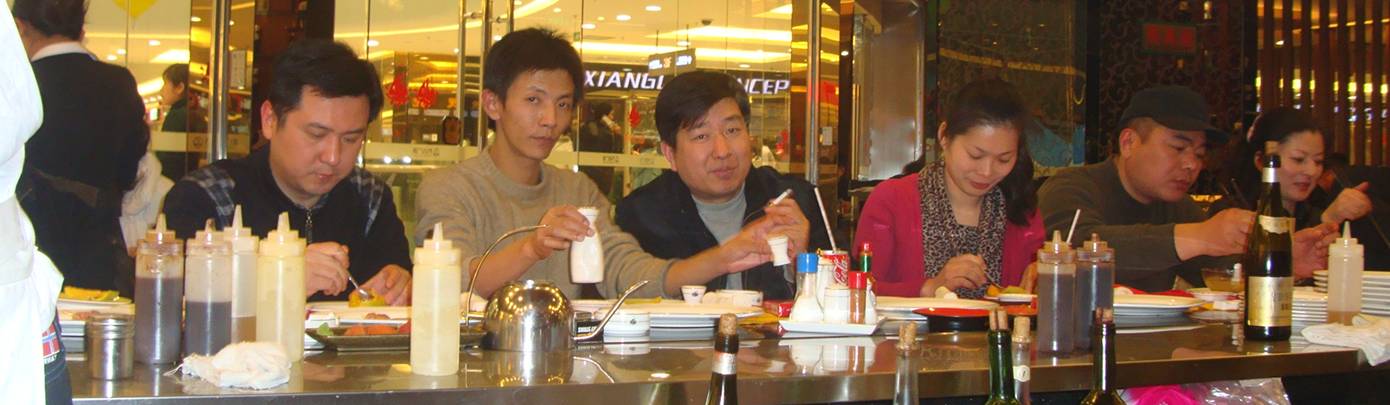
840,259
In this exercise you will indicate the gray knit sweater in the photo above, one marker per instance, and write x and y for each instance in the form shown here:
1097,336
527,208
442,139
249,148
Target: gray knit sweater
477,203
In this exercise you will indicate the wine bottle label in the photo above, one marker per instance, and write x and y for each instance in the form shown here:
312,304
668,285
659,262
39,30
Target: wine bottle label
1269,175
1276,225
724,363
1270,301
1021,373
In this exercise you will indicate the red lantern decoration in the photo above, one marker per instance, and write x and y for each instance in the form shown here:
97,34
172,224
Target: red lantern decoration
397,91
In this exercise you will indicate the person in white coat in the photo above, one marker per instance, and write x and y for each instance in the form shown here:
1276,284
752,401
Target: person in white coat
35,370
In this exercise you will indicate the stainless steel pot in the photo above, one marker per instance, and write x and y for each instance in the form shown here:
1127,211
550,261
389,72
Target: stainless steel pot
535,316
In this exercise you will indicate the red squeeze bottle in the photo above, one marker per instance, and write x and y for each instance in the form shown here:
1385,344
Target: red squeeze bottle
858,297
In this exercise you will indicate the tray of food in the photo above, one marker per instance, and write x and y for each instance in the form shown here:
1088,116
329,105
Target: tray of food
378,337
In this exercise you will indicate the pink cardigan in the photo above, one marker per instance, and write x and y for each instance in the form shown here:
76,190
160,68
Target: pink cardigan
892,224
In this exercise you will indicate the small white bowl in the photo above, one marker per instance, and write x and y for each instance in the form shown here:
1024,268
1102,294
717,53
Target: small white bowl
1209,295
629,322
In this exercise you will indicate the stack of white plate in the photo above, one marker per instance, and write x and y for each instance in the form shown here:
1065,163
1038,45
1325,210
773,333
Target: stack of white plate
1375,290
1309,307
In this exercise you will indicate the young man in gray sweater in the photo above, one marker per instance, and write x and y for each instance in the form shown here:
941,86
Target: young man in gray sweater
531,84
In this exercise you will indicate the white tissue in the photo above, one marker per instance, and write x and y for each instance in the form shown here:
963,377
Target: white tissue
1369,333
255,365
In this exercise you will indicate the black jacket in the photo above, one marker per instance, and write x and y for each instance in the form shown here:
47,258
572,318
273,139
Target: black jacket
663,218
80,163
358,213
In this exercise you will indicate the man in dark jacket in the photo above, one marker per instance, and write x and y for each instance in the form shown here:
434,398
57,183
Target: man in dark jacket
711,192
322,97
87,152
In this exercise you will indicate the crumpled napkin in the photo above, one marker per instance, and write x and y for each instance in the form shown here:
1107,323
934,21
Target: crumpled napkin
1369,333
255,365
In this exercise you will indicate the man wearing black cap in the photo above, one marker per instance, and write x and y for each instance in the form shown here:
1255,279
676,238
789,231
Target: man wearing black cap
1137,200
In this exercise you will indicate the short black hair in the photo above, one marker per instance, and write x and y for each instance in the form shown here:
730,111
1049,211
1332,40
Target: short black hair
329,68
688,97
176,74
531,50
599,110
53,17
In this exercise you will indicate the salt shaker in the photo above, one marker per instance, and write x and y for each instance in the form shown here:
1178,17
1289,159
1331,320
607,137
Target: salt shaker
110,346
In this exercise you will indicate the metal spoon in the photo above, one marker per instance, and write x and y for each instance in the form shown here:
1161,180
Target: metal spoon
363,294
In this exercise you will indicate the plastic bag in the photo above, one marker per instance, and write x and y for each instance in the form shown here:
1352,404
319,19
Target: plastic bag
1265,391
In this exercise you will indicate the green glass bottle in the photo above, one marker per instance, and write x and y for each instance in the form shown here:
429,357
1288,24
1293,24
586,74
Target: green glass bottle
1268,263
1103,392
1001,371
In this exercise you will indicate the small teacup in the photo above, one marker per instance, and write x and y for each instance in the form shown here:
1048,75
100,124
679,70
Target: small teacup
692,293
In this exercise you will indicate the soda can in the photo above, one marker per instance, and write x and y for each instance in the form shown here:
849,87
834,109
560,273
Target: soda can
840,259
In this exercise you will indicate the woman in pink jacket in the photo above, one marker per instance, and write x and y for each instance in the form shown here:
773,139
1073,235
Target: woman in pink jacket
968,220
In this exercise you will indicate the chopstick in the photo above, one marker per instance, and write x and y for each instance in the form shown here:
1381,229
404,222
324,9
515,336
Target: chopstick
1235,192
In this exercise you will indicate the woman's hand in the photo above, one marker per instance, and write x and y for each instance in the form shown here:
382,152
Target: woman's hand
965,271
1351,204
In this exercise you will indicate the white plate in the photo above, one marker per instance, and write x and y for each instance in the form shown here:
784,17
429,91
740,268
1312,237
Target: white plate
1149,301
1383,275
674,314
900,308
1016,298
66,303
850,329
358,315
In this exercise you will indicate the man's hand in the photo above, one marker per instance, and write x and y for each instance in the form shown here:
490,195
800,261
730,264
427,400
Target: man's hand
1223,234
1351,204
565,225
748,248
1310,249
964,271
788,220
392,283
325,268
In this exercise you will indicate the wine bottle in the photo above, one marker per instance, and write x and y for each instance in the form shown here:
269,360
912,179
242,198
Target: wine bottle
723,380
1001,372
1268,263
1103,360
905,385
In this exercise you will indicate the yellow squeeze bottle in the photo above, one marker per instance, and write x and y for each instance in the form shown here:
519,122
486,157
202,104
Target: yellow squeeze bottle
434,316
280,290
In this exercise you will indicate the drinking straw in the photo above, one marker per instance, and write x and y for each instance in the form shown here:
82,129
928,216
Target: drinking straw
823,219
1073,225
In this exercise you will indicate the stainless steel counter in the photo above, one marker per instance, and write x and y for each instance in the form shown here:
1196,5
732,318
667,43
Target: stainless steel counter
770,370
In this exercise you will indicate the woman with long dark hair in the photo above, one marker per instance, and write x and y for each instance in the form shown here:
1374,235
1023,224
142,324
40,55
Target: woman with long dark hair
1293,136
968,220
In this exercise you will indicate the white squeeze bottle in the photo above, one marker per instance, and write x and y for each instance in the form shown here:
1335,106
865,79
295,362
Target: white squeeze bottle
434,316
586,256
280,290
1345,265
243,278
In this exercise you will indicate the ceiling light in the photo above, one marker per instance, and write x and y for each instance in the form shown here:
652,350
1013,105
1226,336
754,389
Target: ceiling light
557,9
623,17
1279,43
230,22
195,19
110,57
588,26
120,51
496,37
154,42
744,65
171,56
729,33
844,53
682,43
653,8
600,18
372,42
456,50
517,2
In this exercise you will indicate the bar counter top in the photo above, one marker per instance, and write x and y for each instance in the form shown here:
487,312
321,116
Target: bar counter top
771,369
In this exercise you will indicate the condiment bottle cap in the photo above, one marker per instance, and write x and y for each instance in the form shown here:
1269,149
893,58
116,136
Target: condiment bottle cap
160,233
807,262
858,280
